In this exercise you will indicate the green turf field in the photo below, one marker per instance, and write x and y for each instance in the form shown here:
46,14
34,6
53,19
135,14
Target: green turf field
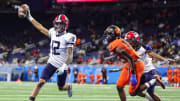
12,91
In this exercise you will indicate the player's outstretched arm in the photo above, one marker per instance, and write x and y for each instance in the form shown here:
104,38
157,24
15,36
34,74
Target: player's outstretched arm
151,53
36,24
156,55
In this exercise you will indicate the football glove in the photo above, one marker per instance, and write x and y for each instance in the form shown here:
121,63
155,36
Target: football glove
28,16
168,60
61,69
148,48
133,80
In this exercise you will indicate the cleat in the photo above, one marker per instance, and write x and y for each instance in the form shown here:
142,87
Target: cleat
70,90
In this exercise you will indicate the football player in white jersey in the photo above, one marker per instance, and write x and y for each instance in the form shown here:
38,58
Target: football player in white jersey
149,70
61,53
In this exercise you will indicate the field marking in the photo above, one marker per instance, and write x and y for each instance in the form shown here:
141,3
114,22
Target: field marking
84,99
87,96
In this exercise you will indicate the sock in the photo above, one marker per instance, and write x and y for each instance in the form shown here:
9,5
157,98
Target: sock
147,96
147,85
152,82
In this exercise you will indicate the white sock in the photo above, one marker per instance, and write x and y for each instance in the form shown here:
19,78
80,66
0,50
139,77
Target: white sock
147,96
147,85
152,82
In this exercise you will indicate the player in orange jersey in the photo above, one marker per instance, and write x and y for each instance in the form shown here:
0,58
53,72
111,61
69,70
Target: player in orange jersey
169,75
79,77
91,78
175,76
98,78
131,72
83,78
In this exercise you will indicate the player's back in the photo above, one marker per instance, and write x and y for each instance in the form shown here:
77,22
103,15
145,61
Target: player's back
58,47
125,45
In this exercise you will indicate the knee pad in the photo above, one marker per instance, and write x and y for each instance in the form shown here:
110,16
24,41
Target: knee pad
40,84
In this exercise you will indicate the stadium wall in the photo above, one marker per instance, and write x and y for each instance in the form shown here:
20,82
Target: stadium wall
87,69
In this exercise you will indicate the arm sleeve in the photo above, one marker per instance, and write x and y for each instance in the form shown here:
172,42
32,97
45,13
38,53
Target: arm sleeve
71,40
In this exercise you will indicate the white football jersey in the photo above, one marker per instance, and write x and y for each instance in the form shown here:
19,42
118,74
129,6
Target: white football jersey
146,59
58,47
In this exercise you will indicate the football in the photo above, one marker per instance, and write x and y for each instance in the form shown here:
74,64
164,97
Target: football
22,10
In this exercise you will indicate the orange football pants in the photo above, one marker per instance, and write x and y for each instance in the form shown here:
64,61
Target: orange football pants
169,78
126,74
175,79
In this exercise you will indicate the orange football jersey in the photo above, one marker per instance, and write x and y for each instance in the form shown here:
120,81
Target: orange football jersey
125,45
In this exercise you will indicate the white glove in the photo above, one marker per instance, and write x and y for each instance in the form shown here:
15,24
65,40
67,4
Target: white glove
61,69
28,16
167,61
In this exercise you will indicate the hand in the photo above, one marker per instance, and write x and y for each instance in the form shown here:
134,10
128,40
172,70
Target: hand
169,60
133,80
148,48
28,15
60,70
28,12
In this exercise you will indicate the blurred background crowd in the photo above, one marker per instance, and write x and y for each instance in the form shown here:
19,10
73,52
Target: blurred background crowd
157,22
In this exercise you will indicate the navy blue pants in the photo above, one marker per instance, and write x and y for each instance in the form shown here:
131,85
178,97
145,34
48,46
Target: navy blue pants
49,70
147,77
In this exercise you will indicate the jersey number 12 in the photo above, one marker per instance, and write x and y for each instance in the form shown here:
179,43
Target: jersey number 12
55,47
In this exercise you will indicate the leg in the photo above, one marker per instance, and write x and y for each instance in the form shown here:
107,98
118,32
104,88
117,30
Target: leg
148,81
61,83
138,71
150,89
65,87
160,83
154,96
121,93
37,88
122,81
147,85
46,74
62,80
147,96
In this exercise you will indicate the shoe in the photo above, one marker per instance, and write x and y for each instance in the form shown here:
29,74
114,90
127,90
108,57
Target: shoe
160,83
70,90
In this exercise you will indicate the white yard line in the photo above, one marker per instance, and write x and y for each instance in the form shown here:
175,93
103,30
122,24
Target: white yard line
87,96
82,99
